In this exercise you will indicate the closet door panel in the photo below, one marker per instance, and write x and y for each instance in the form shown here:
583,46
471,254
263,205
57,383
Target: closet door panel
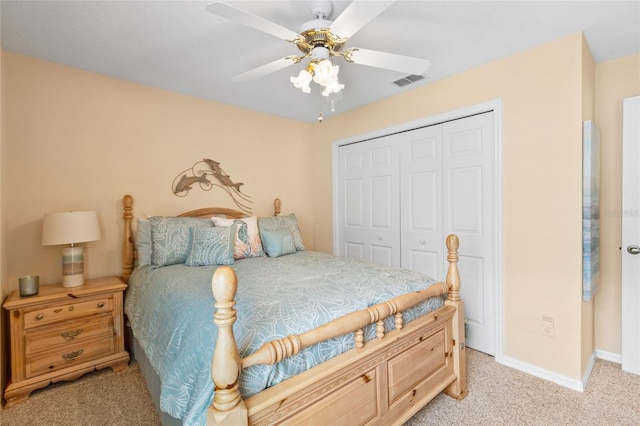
369,221
421,200
465,201
468,191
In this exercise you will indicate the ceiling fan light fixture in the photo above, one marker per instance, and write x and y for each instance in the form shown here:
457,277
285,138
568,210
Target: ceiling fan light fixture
324,72
333,87
302,81
321,72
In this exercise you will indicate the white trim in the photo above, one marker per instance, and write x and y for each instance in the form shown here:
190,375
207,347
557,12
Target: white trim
541,373
588,370
495,106
498,228
609,356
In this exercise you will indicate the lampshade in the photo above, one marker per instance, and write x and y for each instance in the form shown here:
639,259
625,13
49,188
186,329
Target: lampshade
71,228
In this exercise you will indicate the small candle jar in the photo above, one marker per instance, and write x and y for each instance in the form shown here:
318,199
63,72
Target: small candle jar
29,285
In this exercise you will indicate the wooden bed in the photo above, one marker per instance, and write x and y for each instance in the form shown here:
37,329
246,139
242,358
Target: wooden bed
382,381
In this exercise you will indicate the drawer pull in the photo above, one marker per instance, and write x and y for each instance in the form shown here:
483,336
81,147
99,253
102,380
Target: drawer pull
57,310
101,305
39,316
72,355
71,334
71,308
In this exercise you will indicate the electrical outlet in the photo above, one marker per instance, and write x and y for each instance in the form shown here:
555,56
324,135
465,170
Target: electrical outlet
547,324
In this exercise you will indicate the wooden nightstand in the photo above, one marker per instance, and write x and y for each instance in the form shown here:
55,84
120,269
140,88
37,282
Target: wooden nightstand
63,333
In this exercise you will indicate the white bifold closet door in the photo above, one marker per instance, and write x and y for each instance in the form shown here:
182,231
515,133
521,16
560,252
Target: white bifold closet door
369,199
402,194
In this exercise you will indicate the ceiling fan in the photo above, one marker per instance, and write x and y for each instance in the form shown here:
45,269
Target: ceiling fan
320,39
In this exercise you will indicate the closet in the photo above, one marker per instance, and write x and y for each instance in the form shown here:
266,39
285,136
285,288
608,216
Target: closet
400,195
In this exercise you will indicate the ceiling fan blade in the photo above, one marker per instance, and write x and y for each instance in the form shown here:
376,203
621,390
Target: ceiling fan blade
357,15
390,61
243,17
265,69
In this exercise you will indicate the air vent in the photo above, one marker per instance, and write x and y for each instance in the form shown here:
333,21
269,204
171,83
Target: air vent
404,81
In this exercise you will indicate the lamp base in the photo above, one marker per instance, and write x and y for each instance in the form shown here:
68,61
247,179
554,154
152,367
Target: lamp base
72,266
72,280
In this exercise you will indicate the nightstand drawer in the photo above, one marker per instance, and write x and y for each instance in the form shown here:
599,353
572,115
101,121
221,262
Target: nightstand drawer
38,340
38,317
67,356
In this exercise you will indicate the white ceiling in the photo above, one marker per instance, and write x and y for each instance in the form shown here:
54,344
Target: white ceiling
179,46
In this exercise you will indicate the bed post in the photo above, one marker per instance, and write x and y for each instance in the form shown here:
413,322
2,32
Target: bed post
227,408
276,207
127,244
458,389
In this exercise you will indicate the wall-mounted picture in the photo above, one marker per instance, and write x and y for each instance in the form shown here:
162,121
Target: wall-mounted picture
590,210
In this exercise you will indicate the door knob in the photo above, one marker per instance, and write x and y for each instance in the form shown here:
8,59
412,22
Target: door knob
633,250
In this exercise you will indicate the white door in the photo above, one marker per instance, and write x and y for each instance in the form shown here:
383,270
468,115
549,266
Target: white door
631,235
369,196
422,236
469,175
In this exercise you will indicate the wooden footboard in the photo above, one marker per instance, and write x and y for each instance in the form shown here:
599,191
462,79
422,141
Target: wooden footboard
385,381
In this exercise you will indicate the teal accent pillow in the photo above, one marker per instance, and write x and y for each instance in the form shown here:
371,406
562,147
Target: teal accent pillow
212,246
143,242
278,243
171,238
289,222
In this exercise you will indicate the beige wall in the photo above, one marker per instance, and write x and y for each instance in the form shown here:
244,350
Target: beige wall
80,141
542,94
615,80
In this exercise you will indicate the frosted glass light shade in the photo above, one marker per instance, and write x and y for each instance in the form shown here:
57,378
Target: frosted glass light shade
302,81
71,228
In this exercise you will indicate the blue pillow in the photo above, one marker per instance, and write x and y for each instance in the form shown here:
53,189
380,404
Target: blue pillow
275,223
171,238
212,246
143,242
278,243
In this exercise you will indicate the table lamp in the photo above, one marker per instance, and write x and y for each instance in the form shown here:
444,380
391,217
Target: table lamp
71,228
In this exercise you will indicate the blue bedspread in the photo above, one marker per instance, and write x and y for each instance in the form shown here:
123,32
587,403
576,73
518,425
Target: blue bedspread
170,310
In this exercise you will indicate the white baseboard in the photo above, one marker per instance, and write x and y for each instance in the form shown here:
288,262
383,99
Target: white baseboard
608,356
588,370
541,373
556,378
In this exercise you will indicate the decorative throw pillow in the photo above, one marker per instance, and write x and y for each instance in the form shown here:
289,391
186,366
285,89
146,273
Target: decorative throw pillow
143,242
277,243
212,246
171,238
247,242
283,222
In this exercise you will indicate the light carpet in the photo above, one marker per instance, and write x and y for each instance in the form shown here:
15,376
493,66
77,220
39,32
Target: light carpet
498,395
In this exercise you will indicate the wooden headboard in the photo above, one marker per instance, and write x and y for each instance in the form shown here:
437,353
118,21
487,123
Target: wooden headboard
129,252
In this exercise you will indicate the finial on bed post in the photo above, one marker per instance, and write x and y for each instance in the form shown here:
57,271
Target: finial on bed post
276,207
227,406
453,277
127,244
